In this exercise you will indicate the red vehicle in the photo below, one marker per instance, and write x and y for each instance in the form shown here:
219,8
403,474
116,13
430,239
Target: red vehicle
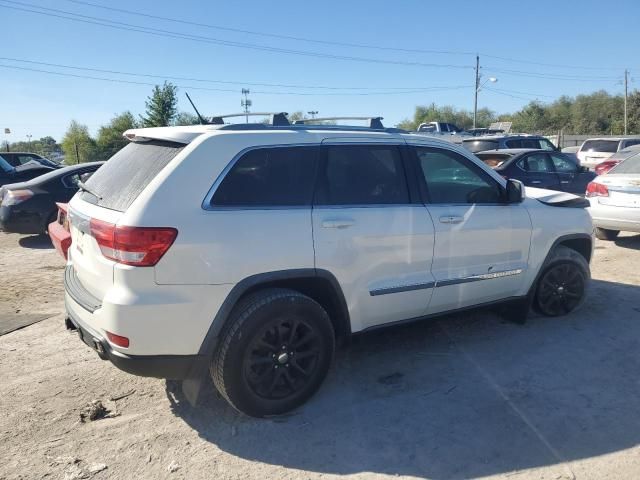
59,231
604,167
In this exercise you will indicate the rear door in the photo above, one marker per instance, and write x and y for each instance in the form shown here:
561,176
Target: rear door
537,171
372,233
572,178
481,243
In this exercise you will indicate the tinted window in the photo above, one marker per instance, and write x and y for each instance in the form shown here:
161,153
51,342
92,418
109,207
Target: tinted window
444,127
607,146
5,166
628,143
515,143
536,162
71,181
480,145
450,178
630,165
269,177
119,181
563,164
363,174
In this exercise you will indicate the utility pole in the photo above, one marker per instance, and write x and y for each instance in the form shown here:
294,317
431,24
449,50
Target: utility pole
77,153
475,101
626,94
29,140
313,114
246,103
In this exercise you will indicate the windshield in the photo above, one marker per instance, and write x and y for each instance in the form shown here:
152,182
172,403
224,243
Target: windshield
630,165
607,146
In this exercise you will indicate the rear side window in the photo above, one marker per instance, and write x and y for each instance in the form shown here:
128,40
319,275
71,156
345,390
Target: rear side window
119,181
480,145
269,177
537,163
607,146
515,144
362,175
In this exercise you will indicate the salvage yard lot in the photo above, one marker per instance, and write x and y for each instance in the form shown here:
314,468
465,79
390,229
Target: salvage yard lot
465,396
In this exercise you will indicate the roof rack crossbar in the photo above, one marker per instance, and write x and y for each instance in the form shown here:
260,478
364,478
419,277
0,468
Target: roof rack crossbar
374,122
277,118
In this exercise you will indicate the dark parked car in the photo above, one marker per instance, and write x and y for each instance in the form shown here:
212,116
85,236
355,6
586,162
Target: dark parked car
16,159
501,142
22,173
540,168
29,207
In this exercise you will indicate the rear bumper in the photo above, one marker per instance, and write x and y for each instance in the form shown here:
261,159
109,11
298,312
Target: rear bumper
60,238
615,218
174,367
20,222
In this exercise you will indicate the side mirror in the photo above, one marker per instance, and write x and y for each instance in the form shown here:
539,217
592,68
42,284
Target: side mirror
584,169
515,191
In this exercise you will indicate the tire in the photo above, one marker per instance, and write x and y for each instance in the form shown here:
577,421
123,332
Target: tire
562,285
604,234
274,352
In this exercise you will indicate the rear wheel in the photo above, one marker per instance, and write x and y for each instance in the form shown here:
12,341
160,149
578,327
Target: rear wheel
562,286
605,234
274,353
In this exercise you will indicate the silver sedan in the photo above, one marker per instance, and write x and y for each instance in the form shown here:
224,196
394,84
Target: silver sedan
615,199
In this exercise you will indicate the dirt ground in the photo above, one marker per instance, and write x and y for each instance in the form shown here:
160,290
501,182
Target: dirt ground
462,397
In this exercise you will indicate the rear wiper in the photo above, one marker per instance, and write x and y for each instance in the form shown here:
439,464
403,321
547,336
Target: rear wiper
84,188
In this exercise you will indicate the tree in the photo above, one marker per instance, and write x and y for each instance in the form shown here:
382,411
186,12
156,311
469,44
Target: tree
161,106
77,144
185,118
110,138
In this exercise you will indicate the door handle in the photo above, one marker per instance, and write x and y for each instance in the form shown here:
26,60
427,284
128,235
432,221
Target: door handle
451,219
337,223
536,181
564,181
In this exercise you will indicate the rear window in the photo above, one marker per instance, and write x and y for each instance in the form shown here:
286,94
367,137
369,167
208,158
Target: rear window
608,146
119,181
480,145
630,165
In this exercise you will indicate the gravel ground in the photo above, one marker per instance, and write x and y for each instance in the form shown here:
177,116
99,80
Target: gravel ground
461,397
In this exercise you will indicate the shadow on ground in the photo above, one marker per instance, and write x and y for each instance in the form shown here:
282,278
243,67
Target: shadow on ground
632,242
38,242
464,396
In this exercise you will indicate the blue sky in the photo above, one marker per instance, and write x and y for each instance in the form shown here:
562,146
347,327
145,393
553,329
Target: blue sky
588,42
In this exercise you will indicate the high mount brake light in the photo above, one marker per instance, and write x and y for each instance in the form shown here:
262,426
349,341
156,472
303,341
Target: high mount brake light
137,246
595,189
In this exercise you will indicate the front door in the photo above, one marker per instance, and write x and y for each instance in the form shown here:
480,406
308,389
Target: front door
538,171
481,243
371,235
572,179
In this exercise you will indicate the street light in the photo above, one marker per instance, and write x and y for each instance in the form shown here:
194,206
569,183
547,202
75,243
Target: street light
478,88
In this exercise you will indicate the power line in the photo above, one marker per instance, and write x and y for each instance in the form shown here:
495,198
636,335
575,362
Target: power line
52,12
235,82
550,76
499,92
190,87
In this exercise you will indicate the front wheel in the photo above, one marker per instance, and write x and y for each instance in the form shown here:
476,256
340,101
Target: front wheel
563,283
274,353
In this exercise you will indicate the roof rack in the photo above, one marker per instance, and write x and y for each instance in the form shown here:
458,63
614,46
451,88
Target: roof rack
277,119
374,122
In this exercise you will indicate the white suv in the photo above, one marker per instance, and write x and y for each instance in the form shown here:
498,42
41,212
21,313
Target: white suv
248,251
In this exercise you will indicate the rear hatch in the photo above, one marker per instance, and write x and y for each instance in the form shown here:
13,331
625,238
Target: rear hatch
108,194
595,151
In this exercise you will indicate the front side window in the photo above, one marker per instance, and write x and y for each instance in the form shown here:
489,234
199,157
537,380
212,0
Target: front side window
628,143
452,179
545,144
564,165
362,175
269,177
536,163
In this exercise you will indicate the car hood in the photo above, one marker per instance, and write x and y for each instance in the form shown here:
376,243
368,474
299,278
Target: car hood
556,199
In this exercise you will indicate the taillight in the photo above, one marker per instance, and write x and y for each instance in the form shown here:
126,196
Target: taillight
137,246
595,189
14,197
118,340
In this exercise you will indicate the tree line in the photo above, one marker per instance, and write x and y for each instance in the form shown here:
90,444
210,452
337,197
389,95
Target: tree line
598,113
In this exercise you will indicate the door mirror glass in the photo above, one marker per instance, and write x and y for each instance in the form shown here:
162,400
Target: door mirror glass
515,191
